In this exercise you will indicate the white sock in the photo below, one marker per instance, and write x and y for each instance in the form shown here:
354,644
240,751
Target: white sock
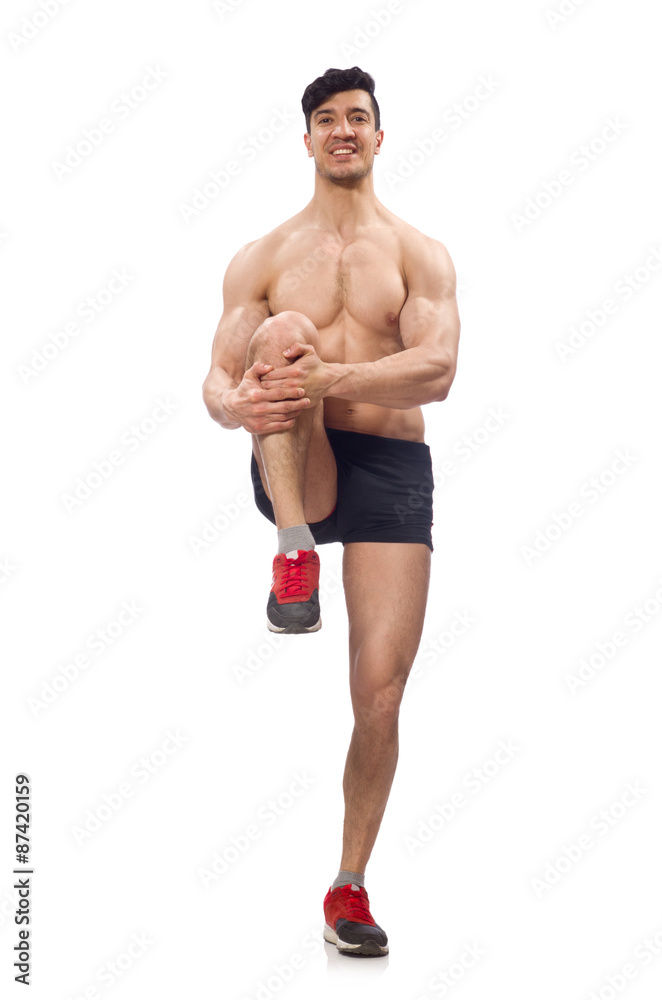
298,537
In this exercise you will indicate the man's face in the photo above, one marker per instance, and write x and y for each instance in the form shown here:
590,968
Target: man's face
342,139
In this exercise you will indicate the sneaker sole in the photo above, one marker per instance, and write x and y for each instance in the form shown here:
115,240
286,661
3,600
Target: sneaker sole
293,628
368,947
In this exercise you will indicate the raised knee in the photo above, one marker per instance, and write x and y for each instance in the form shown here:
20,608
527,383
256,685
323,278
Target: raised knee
285,327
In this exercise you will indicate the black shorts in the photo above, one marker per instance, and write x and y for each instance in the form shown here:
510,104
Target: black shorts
385,488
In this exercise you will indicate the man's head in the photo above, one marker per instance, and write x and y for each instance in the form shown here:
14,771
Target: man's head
342,114
334,81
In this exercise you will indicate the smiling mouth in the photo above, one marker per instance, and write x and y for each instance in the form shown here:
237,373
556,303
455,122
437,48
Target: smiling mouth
342,151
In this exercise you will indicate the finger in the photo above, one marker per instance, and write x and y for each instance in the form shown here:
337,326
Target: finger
273,427
284,409
296,349
277,375
257,370
287,406
285,376
276,392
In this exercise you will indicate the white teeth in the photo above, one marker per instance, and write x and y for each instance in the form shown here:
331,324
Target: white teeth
338,152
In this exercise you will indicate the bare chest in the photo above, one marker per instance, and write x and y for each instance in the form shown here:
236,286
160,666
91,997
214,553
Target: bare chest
345,289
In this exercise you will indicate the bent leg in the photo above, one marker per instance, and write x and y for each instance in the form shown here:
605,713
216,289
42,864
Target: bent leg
386,587
297,466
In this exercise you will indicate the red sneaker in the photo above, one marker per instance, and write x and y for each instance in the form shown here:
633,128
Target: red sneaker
294,599
350,924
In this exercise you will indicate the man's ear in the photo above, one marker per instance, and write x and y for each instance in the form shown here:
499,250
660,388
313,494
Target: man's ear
309,144
379,138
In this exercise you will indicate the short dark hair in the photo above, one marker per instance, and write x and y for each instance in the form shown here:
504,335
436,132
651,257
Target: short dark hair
334,81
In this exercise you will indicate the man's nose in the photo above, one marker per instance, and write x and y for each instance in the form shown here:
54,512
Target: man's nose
343,128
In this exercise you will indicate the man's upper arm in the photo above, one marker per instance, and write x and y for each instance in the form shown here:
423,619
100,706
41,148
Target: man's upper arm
429,317
245,307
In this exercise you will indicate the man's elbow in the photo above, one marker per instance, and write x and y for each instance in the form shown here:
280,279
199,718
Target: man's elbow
206,394
444,380
444,389
210,397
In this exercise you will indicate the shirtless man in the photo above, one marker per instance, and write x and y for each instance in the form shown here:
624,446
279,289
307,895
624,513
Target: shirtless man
337,327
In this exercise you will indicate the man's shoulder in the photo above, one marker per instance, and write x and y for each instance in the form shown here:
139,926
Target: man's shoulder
264,247
421,252
413,241
425,259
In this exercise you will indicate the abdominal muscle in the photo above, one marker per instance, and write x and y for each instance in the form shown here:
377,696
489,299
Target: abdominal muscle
368,418
350,343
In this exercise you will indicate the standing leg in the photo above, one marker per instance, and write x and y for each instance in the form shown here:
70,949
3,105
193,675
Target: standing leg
386,588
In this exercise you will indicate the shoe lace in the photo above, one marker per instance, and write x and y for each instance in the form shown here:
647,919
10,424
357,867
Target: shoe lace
294,577
357,908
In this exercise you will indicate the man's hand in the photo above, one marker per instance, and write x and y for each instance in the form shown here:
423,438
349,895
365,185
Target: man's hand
261,409
307,372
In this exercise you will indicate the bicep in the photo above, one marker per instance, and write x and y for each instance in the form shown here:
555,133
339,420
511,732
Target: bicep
245,307
429,317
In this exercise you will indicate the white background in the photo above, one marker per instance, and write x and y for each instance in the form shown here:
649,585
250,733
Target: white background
198,620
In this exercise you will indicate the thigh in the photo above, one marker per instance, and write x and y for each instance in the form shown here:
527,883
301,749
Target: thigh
386,589
385,488
321,473
320,476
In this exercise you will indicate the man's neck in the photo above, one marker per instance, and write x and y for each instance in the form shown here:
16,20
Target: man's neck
344,209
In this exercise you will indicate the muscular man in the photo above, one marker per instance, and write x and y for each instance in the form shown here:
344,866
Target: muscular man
337,327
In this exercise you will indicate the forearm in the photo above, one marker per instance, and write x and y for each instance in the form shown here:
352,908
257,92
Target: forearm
215,386
409,378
